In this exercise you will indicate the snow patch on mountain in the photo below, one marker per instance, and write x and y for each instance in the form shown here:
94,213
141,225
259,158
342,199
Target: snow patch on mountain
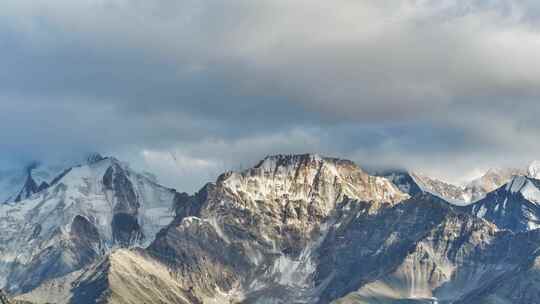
531,192
534,169
526,187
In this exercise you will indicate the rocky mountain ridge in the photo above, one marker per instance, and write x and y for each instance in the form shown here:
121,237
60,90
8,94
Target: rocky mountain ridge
291,229
414,183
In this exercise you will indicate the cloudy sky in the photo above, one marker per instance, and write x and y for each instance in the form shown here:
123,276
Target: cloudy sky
188,89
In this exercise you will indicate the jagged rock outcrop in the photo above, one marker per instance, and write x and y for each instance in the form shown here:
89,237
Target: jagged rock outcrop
21,184
29,188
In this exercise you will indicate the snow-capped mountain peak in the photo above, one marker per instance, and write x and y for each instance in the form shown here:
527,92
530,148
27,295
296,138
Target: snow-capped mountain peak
491,181
534,169
29,188
514,206
86,210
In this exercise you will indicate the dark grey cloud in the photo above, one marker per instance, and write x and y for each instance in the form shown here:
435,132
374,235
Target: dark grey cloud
192,88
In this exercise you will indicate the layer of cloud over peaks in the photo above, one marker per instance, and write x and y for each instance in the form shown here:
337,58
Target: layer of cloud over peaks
439,85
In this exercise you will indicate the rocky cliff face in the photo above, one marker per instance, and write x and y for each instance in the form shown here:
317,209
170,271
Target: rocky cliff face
519,286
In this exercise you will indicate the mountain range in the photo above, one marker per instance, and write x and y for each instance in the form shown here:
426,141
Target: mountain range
290,229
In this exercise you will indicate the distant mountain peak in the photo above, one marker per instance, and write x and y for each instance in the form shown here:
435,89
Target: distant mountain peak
31,166
94,158
29,188
534,169
31,184
514,206
490,181
414,183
